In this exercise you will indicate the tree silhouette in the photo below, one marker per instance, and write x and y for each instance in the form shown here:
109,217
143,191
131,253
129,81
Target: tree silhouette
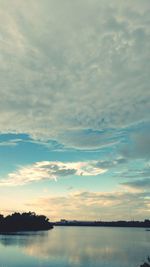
27,221
146,264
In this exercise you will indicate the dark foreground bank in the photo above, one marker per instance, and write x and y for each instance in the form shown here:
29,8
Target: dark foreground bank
24,222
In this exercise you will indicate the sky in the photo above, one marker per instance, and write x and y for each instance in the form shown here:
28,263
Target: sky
75,108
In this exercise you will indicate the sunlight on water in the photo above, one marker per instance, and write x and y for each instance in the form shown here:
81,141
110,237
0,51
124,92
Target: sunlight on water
76,247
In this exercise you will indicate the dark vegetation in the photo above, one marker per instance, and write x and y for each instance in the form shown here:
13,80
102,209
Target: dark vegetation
27,221
144,224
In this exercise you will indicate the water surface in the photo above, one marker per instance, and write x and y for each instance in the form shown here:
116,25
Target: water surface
76,247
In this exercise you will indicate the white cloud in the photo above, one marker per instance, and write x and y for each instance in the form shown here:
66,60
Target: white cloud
51,170
73,65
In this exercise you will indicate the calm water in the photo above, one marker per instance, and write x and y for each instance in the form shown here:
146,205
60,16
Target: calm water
76,246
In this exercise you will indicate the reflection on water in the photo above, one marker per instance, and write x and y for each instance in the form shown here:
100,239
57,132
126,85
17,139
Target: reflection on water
76,247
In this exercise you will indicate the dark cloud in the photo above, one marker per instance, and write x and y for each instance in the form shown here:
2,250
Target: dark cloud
136,173
66,172
112,163
143,184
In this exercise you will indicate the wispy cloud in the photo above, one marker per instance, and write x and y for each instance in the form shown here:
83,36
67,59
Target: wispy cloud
47,170
13,142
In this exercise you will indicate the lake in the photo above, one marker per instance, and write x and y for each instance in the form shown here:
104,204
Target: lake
76,247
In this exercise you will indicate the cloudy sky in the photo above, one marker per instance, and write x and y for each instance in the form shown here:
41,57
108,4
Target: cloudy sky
75,108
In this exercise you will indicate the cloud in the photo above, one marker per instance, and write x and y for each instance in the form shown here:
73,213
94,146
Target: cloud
48,170
95,205
112,163
69,66
13,142
140,184
91,140
143,172
139,144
